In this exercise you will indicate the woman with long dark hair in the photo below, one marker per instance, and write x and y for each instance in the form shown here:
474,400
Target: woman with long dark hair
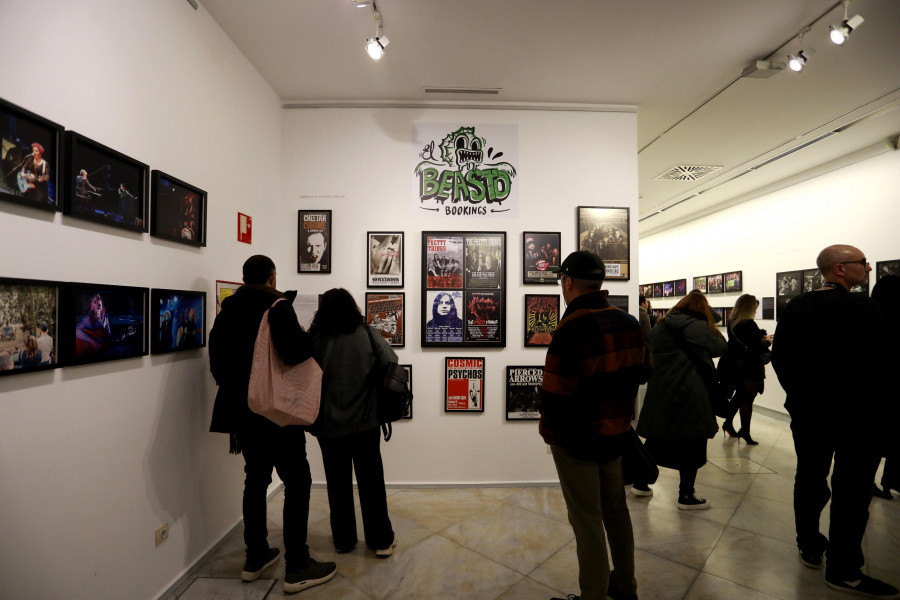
347,427
677,417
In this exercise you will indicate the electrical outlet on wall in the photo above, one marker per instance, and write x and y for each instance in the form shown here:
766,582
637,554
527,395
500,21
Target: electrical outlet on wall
162,534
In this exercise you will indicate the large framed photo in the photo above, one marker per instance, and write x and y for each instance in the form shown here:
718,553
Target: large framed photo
177,211
223,290
464,384
409,412
385,259
31,150
734,281
178,320
314,241
541,317
464,289
700,284
29,325
541,259
523,393
104,185
604,231
886,267
386,313
103,323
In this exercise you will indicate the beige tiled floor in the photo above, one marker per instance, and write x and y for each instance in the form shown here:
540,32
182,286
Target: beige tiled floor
516,544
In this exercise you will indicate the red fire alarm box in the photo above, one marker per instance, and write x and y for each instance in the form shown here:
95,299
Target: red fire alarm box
245,228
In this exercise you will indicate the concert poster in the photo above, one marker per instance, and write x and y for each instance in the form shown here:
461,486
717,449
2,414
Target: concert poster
700,284
177,210
178,320
30,158
444,261
541,259
409,412
314,241
541,318
681,287
604,231
483,311
29,325
104,322
223,290
444,322
733,281
385,312
523,393
385,259
714,284
464,388
484,262
812,280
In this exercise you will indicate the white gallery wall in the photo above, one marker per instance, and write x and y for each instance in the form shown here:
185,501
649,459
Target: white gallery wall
783,231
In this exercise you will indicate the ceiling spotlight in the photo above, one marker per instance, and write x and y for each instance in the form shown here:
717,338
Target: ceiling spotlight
796,63
840,33
375,46
361,3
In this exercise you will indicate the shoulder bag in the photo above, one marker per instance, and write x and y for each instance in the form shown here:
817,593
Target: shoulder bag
718,394
637,464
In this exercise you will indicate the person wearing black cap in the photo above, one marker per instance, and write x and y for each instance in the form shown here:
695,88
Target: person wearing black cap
595,363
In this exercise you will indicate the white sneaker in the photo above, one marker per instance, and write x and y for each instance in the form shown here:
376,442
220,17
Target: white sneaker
644,491
385,552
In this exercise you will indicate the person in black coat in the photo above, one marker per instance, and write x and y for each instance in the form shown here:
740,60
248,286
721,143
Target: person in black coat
886,295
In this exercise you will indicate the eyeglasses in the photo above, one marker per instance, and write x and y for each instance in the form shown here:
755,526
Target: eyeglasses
863,262
559,281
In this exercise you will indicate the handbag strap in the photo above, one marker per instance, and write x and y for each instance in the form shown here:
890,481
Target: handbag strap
386,429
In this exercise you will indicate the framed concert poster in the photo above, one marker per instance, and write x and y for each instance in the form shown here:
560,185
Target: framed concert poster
104,185
886,267
604,231
103,323
464,384
409,413
523,393
177,210
31,151
681,287
178,320
385,259
223,290
29,325
715,284
541,259
385,312
314,241
700,284
464,289
734,281
541,317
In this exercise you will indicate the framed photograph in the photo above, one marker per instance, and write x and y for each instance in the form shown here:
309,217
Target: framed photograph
523,393
177,321
385,259
103,323
104,185
668,289
812,280
681,287
618,301
177,210
604,231
861,289
647,290
386,313
31,151
657,290
541,317
659,313
463,289
223,290
409,413
464,384
728,310
886,267
700,284
788,285
715,284
541,258
718,315
314,241
29,325
768,307
734,281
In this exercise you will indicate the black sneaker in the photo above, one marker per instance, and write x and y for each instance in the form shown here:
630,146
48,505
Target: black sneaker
813,560
864,586
315,573
615,593
254,568
692,502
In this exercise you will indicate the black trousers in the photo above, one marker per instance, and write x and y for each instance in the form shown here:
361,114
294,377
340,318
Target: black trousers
341,456
284,449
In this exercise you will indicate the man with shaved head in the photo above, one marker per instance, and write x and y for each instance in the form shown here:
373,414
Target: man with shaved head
830,354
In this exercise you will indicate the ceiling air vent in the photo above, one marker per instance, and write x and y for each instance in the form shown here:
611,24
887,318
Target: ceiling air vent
687,173
459,90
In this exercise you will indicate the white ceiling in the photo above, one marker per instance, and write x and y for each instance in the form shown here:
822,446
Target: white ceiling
679,63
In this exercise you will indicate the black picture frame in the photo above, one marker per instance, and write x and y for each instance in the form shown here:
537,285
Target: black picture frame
720,312
124,311
386,312
314,241
177,320
29,308
541,257
523,392
886,267
604,230
699,284
463,384
812,280
409,378
680,287
788,285
20,131
540,319
734,281
619,301
385,251
715,284
647,290
177,210
668,289
658,290
105,186
464,274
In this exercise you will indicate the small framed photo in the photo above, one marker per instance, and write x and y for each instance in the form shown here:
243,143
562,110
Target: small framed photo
223,290
700,284
541,317
668,289
31,156
734,281
178,320
103,323
647,290
541,259
409,413
386,313
886,267
604,231
812,280
29,325
715,284
618,301
718,315
523,393
681,287
177,210
105,186
657,290
464,384
314,241
385,259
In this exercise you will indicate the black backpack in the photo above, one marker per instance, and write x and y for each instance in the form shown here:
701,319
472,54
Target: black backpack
394,395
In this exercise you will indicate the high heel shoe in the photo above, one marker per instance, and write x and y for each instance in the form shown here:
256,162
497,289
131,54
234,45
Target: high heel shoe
746,437
729,429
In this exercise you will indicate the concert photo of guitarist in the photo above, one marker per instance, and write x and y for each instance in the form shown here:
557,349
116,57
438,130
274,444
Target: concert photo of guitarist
34,176
93,335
